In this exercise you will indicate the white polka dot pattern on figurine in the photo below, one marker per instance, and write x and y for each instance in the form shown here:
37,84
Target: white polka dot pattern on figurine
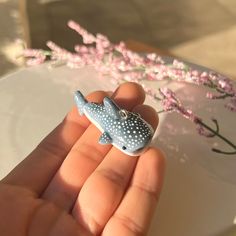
125,130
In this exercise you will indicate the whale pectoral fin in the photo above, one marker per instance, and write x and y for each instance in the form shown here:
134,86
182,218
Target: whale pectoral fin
111,108
105,138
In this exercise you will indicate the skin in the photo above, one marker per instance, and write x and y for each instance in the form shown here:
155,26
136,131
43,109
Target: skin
71,185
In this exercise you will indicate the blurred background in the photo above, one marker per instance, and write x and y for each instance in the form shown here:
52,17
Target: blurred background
203,31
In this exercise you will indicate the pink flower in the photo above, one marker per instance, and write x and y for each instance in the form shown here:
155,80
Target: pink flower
35,56
152,56
179,65
102,41
202,131
171,103
87,37
226,85
232,104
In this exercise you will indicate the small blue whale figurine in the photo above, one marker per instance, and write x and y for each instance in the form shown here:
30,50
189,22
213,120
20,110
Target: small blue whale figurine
126,130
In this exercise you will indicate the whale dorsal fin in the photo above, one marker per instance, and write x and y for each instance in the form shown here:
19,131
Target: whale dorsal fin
111,108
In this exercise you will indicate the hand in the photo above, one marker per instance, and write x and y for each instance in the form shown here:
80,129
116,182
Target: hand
71,185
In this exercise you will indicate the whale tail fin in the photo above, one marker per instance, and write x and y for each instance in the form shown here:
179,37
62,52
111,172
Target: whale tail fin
80,101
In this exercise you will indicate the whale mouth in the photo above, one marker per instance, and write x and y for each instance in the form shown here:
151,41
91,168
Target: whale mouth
139,151
142,149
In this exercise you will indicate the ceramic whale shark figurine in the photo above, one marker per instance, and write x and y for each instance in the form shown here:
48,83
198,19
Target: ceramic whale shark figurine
126,130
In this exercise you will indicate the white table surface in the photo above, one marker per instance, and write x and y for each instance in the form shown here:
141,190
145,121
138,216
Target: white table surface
199,194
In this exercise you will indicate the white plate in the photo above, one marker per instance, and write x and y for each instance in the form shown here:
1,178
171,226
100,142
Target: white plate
200,186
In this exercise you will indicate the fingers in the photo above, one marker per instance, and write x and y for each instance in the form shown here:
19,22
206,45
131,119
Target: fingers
86,154
135,211
38,168
104,189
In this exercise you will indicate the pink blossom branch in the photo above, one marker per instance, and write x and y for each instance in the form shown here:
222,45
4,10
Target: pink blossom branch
171,103
124,65
87,37
35,56
117,59
216,133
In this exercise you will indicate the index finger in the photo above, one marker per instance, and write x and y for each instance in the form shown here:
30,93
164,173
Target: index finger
38,168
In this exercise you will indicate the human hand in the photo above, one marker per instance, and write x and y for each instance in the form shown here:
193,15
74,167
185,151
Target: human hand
71,185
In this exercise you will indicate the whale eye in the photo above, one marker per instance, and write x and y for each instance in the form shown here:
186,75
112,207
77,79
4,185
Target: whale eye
123,114
124,148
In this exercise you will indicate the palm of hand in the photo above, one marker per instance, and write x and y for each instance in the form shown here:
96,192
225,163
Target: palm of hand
71,185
